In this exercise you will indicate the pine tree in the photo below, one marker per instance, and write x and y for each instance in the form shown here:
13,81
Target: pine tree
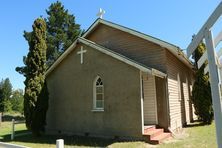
39,115
17,100
201,94
61,30
5,94
34,71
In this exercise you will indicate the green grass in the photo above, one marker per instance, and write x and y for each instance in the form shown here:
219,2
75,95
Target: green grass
5,129
195,136
6,126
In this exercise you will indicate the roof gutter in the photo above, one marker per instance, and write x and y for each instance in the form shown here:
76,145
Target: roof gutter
158,73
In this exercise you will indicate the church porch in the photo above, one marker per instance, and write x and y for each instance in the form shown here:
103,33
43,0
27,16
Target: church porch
154,108
154,101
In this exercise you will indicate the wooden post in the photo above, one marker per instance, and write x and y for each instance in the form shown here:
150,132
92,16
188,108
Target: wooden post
0,118
205,32
215,88
13,129
59,143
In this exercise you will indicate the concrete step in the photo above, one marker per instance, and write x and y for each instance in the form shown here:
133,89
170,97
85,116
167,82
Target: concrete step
153,133
148,128
160,138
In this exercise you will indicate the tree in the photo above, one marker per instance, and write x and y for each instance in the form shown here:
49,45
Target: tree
201,94
17,100
5,94
34,71
39,116
2,98
61,30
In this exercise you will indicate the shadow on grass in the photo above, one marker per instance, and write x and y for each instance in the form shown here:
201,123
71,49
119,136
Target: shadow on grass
196,124
10,117
68,140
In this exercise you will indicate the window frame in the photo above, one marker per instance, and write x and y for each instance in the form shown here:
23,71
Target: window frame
95,93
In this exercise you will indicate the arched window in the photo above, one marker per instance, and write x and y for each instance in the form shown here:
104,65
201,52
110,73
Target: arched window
98,94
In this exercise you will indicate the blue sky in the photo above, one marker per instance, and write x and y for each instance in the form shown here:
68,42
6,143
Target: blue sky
173,21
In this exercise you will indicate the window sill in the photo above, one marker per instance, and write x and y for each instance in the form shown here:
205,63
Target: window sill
97,110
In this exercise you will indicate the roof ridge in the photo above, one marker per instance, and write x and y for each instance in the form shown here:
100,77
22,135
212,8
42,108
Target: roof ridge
115,52
140,32
176,50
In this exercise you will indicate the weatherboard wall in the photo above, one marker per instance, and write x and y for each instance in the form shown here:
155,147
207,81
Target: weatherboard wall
149,100
154,56
179,78
131,46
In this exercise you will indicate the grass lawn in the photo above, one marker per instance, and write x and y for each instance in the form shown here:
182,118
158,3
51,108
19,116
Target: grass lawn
192,137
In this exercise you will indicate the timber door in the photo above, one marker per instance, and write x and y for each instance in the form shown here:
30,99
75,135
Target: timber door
149,102
186,101
162,111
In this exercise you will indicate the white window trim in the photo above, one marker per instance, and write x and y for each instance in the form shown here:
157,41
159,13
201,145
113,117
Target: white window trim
179,87
96,109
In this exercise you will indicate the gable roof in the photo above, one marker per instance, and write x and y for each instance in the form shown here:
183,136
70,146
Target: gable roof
175,50
106,51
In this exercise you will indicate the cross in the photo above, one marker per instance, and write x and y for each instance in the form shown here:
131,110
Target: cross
100,13
81,52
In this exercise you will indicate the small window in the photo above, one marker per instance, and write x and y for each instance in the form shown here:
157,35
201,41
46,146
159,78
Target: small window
98,94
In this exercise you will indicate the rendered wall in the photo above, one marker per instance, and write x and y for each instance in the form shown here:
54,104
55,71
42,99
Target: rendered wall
71,96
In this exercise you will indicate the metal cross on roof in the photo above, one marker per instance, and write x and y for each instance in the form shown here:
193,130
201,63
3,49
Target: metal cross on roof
101,13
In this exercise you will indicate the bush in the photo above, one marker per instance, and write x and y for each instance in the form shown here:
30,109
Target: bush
201,94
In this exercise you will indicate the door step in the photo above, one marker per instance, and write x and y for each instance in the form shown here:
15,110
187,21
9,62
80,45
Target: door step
155,135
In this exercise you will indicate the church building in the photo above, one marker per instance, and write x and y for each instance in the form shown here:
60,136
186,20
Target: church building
117,82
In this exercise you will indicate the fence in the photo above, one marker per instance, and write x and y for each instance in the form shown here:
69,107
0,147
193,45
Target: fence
13,129
59,142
